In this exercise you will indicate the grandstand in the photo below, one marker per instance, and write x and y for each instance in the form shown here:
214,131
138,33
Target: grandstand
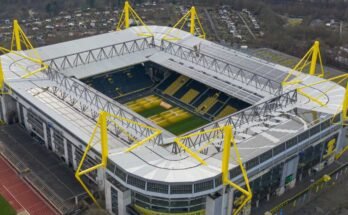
158,126
168,102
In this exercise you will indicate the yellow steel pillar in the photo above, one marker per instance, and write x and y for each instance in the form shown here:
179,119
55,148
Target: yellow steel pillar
16,35
345,106
226,154
124,20
315,54
126,14
228,139
192,19
104,137
80,172
1,78
196,27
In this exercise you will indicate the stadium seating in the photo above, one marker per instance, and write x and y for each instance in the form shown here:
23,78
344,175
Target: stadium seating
121,83
226,111
183,90
215,108
176,85
189,96
198,97
169,80
207,103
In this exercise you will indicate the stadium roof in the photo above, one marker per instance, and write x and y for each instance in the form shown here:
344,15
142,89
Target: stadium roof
277,114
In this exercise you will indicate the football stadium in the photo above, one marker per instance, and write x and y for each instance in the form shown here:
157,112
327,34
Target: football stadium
157,120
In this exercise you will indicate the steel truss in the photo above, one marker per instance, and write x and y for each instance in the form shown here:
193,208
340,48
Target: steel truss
223,68
94,55
260,112
90,102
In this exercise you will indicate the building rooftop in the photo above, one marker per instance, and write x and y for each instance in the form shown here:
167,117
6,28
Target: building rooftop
276,115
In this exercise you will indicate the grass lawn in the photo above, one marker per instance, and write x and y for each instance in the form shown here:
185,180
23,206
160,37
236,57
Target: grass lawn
178,127
186,125
152,111
5,207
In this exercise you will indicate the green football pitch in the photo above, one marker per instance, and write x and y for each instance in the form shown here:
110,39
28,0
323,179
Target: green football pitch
186,125
5,207
179,127
152,111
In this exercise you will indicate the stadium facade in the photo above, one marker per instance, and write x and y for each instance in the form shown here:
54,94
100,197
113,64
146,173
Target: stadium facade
282,136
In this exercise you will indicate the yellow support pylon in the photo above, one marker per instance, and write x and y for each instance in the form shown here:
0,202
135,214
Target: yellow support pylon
104,137
102,124
21,42
19,38
193,20
129,13
35,60
2,79
228,138
315,54
196,27
345,106
312,55
16,36
79,173
338,79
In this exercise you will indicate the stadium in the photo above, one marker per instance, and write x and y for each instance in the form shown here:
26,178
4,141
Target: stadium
157,120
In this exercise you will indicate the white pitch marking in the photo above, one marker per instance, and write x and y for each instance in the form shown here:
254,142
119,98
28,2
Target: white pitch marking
14,197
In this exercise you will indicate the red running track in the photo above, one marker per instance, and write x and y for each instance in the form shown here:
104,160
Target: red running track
19,194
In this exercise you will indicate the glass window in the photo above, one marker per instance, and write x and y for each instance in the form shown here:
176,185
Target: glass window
180,189
278,149
291,143
111,166
179,203
325,124
265,156
114,201
303,136
315,130
158,188
120,173
136,182
235,172
142,198
204,186
160,202
252,163
218,181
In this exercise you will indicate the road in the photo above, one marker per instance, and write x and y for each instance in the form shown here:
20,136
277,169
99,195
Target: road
212,24
247,26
